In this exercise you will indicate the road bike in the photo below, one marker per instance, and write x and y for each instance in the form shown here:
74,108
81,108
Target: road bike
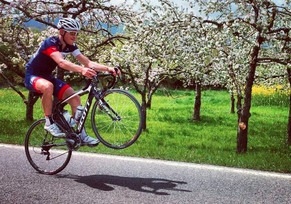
116,120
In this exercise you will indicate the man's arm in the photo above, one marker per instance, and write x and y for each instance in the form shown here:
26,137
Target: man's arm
93,65
65,64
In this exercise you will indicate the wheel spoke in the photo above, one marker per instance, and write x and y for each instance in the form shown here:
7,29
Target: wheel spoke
44,153
123,131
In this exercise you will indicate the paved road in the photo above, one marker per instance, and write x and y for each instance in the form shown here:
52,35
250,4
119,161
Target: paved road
95,178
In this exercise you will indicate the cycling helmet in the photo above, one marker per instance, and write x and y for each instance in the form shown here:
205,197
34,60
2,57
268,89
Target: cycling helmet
69,24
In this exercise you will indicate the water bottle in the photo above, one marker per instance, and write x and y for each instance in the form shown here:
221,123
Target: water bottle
78,113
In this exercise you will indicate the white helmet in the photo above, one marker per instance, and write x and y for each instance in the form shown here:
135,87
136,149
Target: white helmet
69,24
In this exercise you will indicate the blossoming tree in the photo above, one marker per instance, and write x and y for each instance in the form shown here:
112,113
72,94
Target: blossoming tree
19,42
256,23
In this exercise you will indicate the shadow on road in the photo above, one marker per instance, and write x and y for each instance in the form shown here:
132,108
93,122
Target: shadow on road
148,185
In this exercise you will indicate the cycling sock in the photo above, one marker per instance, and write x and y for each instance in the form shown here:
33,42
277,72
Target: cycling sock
48,120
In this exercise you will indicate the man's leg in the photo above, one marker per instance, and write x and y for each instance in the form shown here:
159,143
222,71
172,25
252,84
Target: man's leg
46,88
74,103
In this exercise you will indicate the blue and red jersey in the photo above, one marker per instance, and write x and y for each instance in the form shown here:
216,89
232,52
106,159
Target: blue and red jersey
41,64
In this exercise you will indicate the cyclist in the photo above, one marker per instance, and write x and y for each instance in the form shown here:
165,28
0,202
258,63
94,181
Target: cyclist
51,54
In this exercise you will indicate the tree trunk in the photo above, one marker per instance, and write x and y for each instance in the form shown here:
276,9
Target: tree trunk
149,102
244,114
197,103
238,103
32,98
289,119
144,111
232,103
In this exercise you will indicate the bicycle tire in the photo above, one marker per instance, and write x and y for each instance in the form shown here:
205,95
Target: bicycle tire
46,154
117,132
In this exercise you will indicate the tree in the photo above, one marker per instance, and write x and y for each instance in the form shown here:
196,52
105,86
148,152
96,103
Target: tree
197,58
154,50
19,41
257,23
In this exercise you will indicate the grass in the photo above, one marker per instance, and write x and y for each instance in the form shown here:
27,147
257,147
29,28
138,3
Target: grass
172,135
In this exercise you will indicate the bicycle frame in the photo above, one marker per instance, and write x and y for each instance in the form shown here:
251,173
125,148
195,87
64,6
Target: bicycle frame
92,91
115,119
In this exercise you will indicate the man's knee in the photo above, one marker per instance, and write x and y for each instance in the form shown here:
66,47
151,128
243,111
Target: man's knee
45,87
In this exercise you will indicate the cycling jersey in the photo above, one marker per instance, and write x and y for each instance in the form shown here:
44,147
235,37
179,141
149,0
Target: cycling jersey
41,65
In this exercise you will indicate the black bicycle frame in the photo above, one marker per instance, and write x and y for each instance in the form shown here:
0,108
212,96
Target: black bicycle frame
58,111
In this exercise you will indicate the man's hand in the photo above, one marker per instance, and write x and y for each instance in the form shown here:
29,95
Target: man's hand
87,72
114,71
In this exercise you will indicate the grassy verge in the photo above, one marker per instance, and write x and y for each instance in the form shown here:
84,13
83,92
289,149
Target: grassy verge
172,135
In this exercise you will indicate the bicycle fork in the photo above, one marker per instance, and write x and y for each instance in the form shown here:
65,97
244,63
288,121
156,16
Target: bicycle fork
106,107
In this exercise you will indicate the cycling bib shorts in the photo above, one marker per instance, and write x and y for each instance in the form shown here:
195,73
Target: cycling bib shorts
59,86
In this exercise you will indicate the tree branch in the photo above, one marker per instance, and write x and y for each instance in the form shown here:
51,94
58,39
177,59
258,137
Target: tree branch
13,87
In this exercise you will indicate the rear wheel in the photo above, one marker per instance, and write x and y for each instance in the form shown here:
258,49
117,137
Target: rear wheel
116,119
45,153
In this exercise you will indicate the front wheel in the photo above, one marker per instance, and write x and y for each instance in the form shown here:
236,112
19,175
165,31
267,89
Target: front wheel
46,154
117,119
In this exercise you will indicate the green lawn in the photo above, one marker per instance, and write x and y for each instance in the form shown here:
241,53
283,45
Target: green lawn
172,135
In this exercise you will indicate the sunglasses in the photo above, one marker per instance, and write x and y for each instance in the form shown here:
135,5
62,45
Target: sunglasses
72,33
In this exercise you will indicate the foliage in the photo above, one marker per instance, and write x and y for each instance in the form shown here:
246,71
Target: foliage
264,28
174,136
232,44
271,96
164,40
19,42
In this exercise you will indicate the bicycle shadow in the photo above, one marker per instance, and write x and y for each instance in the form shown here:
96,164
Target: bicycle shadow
148,185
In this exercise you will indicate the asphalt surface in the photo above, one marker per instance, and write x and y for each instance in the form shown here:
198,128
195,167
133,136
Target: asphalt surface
95,178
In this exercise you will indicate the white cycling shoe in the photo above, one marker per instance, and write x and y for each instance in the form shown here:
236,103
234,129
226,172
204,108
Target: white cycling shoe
85,139
54,130
89,141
